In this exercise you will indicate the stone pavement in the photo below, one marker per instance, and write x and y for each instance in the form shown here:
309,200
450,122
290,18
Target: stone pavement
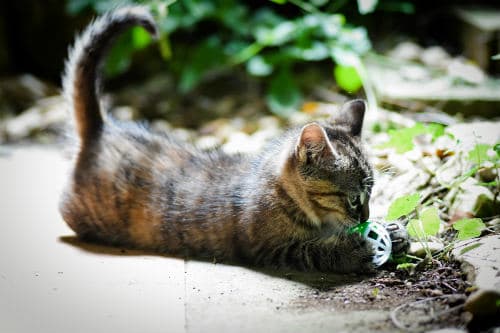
480,259
50,282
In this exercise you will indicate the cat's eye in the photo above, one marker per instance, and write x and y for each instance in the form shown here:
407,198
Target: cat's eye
355,201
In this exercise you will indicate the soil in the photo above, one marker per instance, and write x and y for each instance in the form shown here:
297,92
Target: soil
424,300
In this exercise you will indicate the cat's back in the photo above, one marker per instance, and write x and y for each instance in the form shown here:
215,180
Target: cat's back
132,180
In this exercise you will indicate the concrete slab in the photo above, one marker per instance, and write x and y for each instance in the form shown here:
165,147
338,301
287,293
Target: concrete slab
50,284
481,261
223,298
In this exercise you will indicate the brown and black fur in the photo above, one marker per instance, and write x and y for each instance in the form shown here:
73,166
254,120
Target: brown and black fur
290,206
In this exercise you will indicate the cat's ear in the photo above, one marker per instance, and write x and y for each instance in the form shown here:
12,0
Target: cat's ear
312,143
351,116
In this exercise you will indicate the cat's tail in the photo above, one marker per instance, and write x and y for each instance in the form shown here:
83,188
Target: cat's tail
81,79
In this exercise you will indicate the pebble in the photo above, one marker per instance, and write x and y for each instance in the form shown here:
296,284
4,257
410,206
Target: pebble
124,113
239,142
481,264
406,51
418,248
466,71
47,113
161,126
435,56
206,142
473,199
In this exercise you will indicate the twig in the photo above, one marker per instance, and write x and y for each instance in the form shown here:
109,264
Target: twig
448,286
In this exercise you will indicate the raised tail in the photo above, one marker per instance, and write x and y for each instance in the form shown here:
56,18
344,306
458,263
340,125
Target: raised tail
81,79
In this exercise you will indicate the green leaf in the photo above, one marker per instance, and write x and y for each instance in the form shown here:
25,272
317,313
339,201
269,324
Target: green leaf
470,248
258,66
74,7
207,56
366,6
280,2
331,25
343,56
140,38
430,221
479,153
407,266
415,229
427,225
319,3
469,228
120,55
283,95
347,78
402,206
277,35
402,139
436,130
315,51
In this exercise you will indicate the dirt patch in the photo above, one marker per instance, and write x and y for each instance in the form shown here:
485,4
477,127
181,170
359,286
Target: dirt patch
428,299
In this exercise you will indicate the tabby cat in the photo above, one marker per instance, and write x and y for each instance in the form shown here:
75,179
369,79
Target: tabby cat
288,207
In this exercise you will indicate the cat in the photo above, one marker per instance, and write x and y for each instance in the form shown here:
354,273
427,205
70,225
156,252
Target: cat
288,207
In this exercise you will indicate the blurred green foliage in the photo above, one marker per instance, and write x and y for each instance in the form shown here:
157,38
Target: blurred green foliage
268,40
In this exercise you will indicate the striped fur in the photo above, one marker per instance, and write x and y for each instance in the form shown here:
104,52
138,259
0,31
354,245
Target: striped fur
289,206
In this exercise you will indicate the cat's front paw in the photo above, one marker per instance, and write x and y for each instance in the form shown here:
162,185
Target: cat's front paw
399,238
360,258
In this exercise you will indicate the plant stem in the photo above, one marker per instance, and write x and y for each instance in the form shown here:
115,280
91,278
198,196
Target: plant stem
247,53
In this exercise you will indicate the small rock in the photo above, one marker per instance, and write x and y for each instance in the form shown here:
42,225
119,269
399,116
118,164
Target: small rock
481,261
470,134
430,164
124,113
415,73
450,170
161,126
474,199
466,71
269,122
435,56
261,137
21,92
207,142
183,134
488,174
406,51
494,224
47,113
418,248
239,142
298,118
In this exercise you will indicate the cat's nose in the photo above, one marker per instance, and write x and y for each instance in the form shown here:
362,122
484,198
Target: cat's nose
365,212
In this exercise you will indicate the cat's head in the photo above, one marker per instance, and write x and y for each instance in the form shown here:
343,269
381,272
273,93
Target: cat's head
331,173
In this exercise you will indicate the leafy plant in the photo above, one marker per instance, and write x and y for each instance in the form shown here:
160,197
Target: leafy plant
427,225
469,228
402,206
402,139
424,222
267,40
